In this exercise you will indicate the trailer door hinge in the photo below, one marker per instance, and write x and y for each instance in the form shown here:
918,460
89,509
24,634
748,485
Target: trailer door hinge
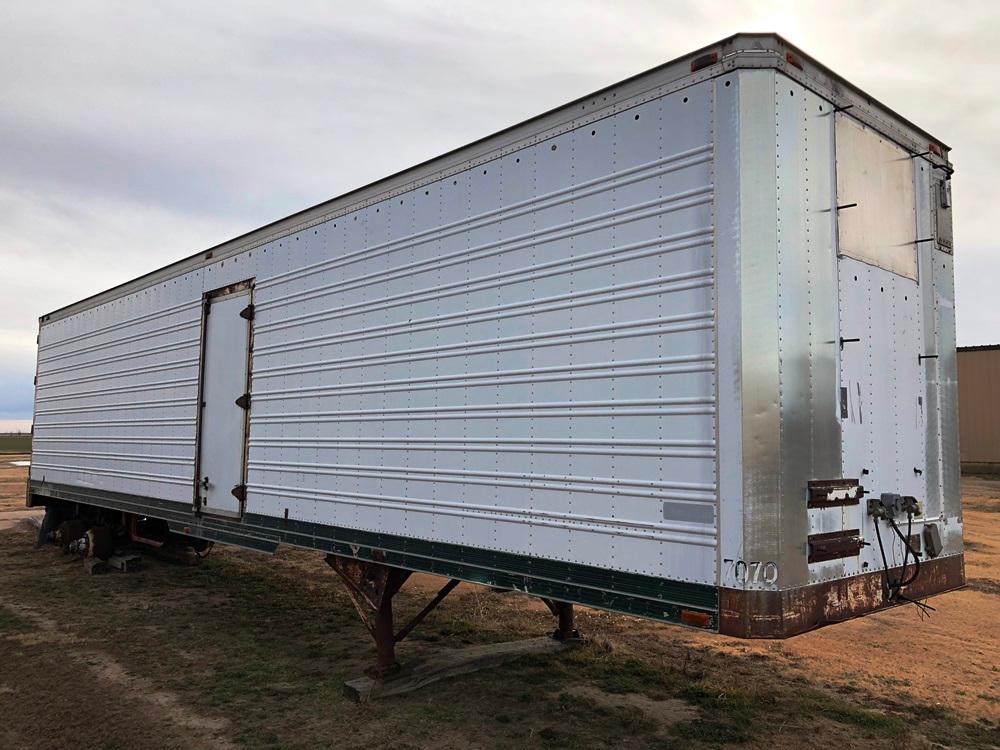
243,401
247,312
240,492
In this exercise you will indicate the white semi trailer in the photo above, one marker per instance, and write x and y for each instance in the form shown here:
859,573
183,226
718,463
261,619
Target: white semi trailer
683,348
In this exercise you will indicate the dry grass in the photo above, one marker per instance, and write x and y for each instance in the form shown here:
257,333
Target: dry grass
15,443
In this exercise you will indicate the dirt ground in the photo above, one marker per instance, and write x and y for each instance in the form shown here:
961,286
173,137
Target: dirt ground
12,481
248,650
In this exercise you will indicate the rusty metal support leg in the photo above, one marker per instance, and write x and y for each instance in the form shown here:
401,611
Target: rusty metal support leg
385,640
563,611
418,618
566,627
371,586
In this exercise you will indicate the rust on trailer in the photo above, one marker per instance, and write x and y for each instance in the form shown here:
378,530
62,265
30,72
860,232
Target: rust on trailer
828,493
834,545
780,614
696,619
371,586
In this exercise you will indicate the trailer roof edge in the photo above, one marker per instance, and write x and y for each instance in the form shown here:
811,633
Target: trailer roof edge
739,51
979,348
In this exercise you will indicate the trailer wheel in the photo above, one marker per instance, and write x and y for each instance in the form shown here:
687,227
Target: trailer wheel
69,531
100,542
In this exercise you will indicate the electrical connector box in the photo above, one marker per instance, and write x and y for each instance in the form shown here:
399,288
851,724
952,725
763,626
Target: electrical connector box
890,505
877,508
932,540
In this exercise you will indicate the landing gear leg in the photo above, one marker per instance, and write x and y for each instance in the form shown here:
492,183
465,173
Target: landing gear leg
371,586
563,611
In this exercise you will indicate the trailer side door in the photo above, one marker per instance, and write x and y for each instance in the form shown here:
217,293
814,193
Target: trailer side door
227,328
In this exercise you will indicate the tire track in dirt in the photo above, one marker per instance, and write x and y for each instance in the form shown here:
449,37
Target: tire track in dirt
112,674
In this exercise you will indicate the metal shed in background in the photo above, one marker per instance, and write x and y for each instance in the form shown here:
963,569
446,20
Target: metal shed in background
979,408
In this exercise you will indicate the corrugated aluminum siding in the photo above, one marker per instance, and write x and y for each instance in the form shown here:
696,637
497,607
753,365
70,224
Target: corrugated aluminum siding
979,405
116,395
518,356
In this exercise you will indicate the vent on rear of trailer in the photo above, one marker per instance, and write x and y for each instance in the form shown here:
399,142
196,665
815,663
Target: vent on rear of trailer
703,61
941,197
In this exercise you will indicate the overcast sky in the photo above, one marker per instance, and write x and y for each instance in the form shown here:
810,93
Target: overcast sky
132,134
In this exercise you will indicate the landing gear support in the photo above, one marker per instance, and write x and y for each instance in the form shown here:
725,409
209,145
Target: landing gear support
563,611
372,586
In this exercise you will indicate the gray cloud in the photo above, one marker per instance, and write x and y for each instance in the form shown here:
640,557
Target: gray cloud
132,134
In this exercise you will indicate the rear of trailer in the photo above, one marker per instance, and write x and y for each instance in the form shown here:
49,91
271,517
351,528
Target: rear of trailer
683,348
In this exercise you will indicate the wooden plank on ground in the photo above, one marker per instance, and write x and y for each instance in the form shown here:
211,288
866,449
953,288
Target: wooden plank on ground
449,664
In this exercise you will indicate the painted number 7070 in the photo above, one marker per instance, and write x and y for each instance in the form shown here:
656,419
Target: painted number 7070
753,571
